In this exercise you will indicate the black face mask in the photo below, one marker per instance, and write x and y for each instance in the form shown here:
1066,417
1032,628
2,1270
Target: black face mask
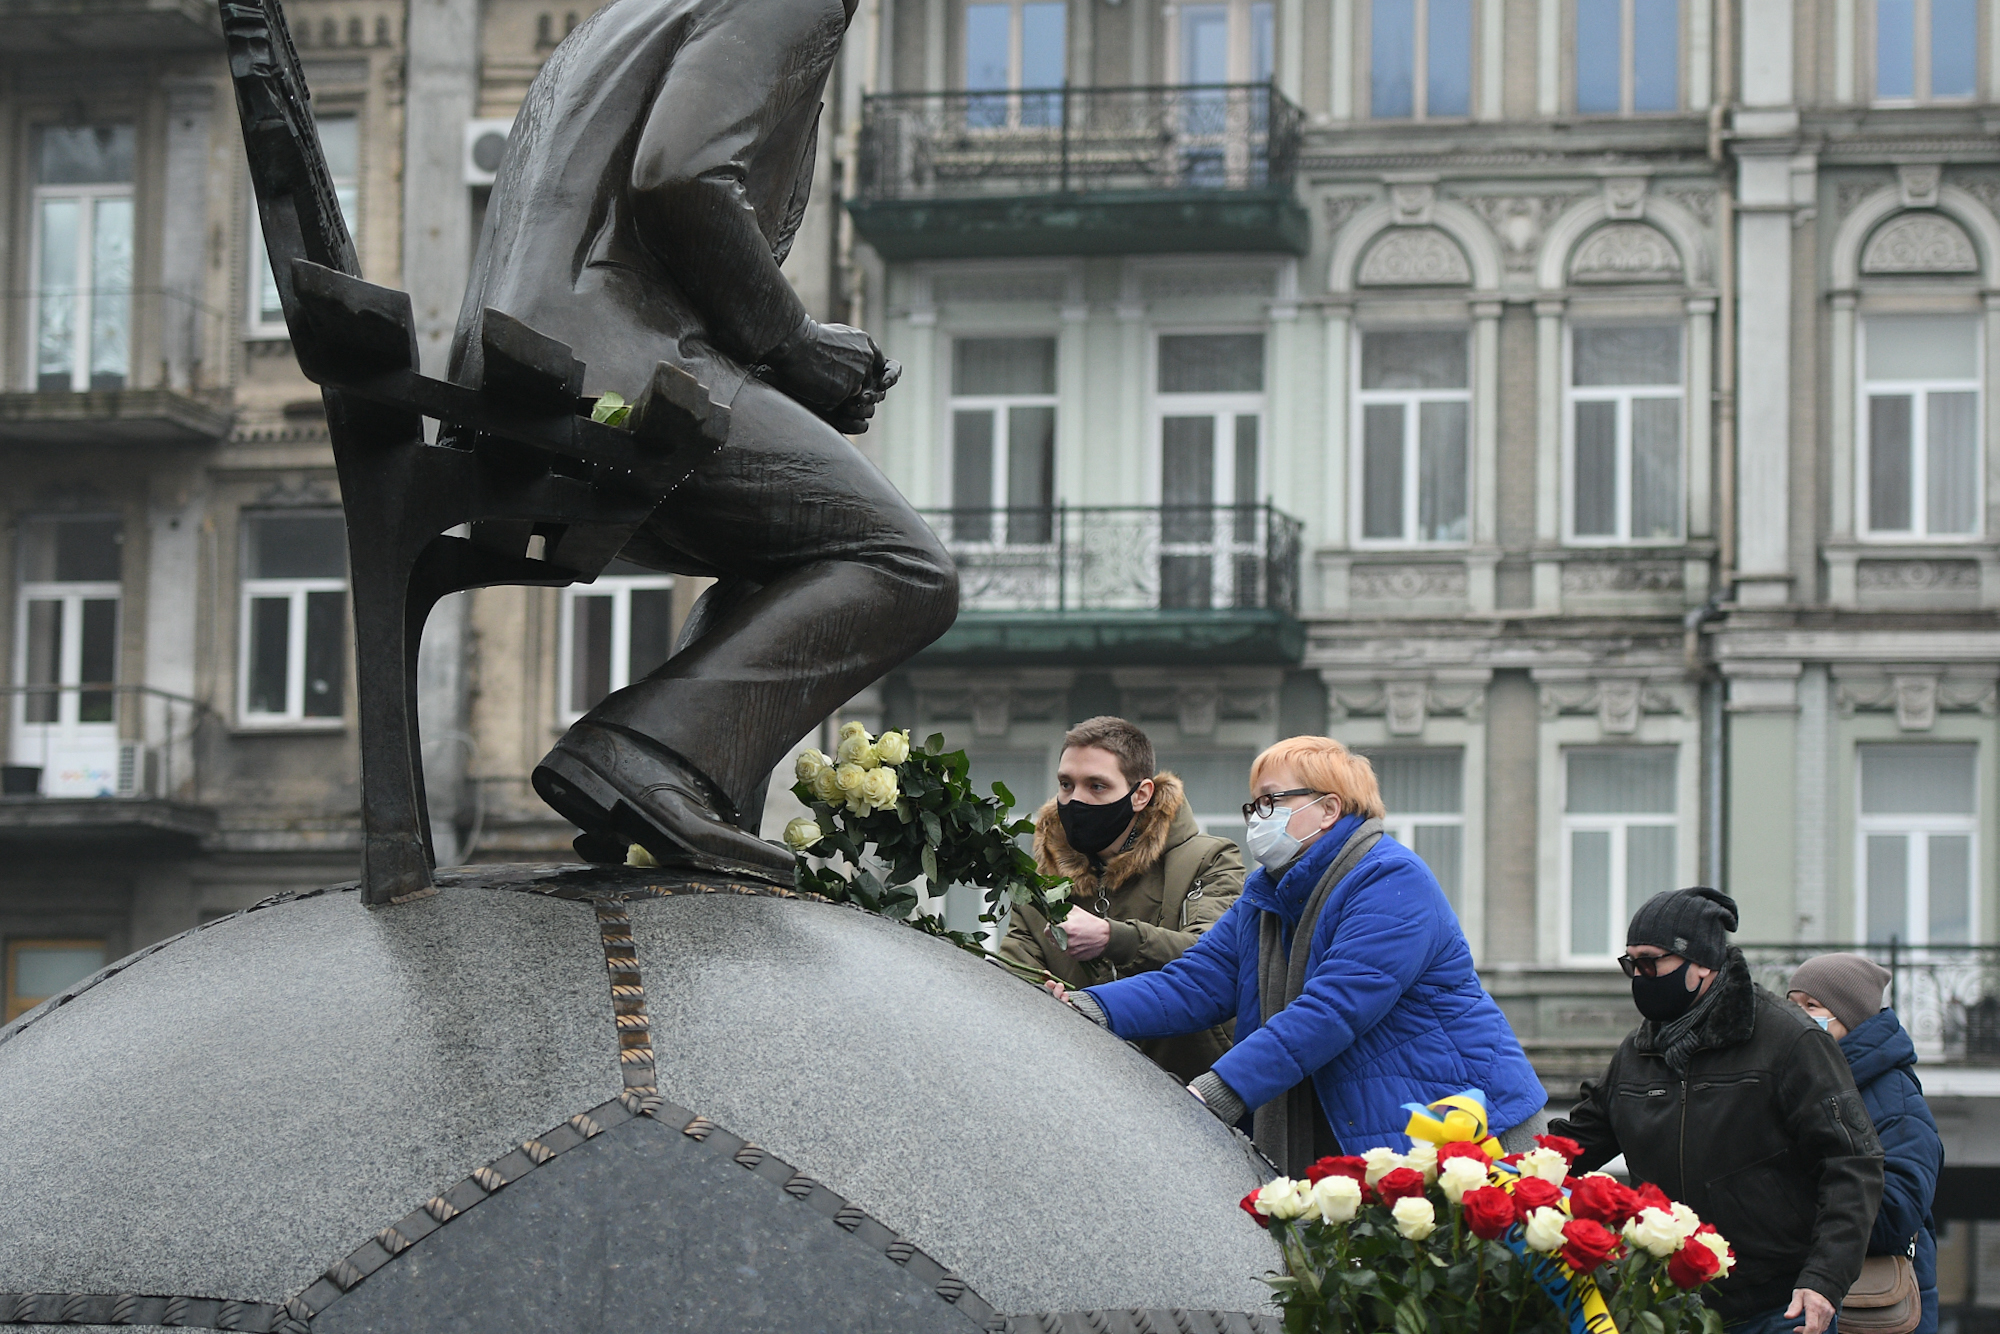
1092,829
1664,998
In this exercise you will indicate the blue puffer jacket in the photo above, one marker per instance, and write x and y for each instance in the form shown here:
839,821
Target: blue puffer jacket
1884,1063
1392,1011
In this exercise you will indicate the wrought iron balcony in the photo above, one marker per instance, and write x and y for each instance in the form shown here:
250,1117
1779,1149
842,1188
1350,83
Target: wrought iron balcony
108,366
1080,171
1948,996
75,773
1211,582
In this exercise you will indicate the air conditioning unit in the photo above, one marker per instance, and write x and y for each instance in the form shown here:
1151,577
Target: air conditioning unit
485,146
135,763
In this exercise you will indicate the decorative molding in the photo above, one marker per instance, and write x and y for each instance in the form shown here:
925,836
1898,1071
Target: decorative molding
1589,578
1405,583
1916,698
1919,243
1414,257
1520,221
1625,196
1050,288
1917,576
1983,188
1339,208
295,492
1206,280
1918,182
1197,705
1700,202
1625,252
1405,706
1618,701
1412,202
1849,194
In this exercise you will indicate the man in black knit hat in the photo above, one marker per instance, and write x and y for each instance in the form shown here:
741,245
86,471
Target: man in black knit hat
1735,1103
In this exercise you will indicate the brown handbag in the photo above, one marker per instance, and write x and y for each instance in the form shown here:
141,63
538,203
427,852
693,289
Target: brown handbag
1885,1299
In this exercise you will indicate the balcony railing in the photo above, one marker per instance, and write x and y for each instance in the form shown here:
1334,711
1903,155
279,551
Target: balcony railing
968,145
109,365
77,741
1071,558
1948,996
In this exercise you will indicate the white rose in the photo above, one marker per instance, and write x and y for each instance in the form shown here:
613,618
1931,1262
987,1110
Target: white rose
826,787
1381,1162
1547,1164
1458,1176
1714,1242
1686,1219
811,765
1284,1199
1544,1230
893,747
1415,1218
852,729
1424,1157
802,833
1336,1199
878,788
1654,1232
848,776
857,749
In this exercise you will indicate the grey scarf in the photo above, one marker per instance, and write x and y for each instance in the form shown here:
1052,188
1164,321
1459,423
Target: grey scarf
1678,1040
1282,1128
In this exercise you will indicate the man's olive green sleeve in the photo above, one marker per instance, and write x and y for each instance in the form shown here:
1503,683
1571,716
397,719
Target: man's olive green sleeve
1137,947
1023,941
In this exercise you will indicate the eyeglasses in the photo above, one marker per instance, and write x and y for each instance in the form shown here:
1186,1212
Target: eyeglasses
1264,805
1647,967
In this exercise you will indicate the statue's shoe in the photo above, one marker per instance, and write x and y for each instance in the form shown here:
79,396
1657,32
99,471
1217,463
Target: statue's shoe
608,783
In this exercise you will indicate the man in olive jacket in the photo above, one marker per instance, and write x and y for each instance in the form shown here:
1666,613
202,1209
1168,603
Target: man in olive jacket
1735,1103
1149,885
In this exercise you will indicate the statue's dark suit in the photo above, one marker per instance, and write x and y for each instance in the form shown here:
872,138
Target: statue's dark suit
654,179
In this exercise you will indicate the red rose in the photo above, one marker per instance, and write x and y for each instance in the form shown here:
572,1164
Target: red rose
1587,1244
1531,1193
1404,1183
1693,1265
1652,1197
1603,1200
1489,1211
1248,1204
1338,1167
1462,1149
1568,1148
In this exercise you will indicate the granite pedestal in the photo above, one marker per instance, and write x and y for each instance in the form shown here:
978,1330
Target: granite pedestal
583,1099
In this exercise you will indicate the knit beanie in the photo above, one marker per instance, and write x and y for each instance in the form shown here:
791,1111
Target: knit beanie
1846,984
1687,922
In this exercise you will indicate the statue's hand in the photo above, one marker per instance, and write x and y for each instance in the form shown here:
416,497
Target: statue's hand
828,367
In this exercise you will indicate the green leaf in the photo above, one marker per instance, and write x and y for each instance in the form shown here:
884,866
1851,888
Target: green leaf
935,743
611,409
1650,1322
930,866
1410,1317
933,828
1000,791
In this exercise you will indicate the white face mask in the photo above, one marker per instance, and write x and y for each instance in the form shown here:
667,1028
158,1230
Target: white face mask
1822,1020
1269,839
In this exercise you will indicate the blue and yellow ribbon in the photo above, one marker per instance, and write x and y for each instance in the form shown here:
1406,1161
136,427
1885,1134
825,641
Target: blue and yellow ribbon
1461,1118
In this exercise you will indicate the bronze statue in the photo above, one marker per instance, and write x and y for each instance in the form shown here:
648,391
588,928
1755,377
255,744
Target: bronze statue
655,177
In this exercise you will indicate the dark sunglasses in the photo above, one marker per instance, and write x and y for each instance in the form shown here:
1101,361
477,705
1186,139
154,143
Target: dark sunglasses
1264,805
1647,967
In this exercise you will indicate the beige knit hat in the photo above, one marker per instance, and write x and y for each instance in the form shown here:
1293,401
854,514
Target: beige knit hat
1846,984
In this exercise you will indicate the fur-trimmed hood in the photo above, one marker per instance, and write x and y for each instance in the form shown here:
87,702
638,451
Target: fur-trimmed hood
1156,830
1734,1017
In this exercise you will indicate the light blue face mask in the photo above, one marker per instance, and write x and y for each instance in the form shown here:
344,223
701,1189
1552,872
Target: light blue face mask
1822,1020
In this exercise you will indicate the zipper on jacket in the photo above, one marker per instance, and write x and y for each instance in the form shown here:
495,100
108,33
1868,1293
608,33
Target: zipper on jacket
1187,901
1682,1192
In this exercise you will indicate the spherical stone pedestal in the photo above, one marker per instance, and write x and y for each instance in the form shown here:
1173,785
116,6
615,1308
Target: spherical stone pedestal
583,1099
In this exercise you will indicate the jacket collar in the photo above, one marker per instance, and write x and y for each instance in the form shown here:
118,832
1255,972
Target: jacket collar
1734,1016
1166,822
1878,1046
1287,894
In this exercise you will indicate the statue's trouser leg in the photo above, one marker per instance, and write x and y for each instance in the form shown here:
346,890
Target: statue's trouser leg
852,582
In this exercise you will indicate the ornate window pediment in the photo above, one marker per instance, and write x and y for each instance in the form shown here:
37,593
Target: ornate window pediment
1414,257
1626,252
1919,243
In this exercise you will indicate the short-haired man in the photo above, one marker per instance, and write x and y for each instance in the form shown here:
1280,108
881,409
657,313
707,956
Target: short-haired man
1147,882
1735,1103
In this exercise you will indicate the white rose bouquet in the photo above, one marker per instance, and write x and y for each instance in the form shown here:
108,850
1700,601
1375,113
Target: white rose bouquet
915,809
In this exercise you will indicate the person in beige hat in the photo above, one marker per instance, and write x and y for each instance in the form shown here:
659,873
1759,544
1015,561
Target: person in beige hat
1843,994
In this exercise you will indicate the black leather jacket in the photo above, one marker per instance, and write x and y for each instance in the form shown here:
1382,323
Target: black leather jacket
1765,1137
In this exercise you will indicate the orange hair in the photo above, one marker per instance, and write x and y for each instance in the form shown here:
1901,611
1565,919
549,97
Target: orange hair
1327,766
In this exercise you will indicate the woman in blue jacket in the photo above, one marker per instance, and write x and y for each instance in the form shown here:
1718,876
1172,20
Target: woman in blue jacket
1843,994
1377,1006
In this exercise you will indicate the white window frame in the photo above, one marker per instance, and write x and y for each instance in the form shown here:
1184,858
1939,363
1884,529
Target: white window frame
1403,825
294,590
1620,906
1868,20
1627,63
1624,396
91,197
1918,829
1919,392
1016,44
33,739
619,588
1241,59
1001,406
347,189
1224,408
1410,400
1420,76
